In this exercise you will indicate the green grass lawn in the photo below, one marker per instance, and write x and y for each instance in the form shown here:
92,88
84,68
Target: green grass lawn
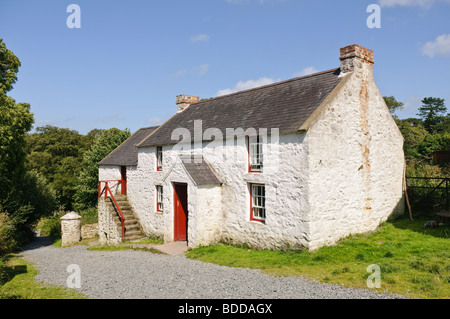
414,261
17,276
18,282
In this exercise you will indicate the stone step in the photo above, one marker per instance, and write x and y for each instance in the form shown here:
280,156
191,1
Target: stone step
125,211
132,236
132,227
128,229
128,222
132,231
121,205
126,214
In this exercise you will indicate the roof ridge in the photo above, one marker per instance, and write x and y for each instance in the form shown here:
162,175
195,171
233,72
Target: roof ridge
155,130
126,141
281,110
267,85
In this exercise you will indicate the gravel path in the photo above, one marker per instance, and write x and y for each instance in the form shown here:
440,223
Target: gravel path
139,274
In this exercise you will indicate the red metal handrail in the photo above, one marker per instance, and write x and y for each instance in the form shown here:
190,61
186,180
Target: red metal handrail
107,189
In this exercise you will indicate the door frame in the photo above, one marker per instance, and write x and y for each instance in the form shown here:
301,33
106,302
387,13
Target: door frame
175,211
123,180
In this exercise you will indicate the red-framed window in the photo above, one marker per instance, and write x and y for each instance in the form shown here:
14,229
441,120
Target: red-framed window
258,202
159,158
159,199
255,154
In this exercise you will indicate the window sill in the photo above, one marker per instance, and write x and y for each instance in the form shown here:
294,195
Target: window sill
257,222
259,178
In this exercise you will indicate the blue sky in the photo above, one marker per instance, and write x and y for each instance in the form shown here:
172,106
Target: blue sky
128,61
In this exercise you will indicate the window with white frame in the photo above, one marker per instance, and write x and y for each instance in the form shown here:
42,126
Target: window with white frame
159,158
258,202
255,154
159,198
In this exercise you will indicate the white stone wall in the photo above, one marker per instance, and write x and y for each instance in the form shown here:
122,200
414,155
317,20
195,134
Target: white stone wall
141,192
177,174
70,229
89,231
224,212
284,176
205,227
356,162
204,206
341,176
110,173
107,228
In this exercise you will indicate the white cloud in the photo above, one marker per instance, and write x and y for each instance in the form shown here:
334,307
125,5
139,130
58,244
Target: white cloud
410,107
155,120
237,1
250,84
200,38
248,1
270,1
158,120
440,46
202,69
199,70
306,71
113,118
410,3
178,74
404,3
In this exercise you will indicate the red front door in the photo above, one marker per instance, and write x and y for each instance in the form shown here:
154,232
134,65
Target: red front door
181,212
123,180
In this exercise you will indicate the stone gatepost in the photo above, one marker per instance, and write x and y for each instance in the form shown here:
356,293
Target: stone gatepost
70,228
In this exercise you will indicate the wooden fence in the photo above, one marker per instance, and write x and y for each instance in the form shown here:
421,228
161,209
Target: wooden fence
426,192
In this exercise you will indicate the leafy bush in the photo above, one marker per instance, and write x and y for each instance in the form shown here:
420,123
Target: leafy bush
87,184
51,226
7,243
89,216
24,195
56,154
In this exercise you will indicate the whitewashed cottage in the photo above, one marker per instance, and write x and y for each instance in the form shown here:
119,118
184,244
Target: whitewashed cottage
303,162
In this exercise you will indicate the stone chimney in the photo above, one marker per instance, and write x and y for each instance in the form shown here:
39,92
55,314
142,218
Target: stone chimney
183,101
355,57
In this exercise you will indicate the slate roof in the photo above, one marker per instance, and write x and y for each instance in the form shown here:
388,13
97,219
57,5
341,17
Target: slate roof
201,173
127,152
284,105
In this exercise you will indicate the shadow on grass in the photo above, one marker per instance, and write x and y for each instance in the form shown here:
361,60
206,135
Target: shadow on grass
9,272
418,225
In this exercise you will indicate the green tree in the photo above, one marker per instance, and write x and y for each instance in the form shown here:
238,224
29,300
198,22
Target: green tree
56,153
414,135
87,185
15,121
432,113
392,104
23,195
9,66
443,126
433,143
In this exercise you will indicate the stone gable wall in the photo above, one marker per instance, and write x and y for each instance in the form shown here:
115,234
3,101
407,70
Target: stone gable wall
356,162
